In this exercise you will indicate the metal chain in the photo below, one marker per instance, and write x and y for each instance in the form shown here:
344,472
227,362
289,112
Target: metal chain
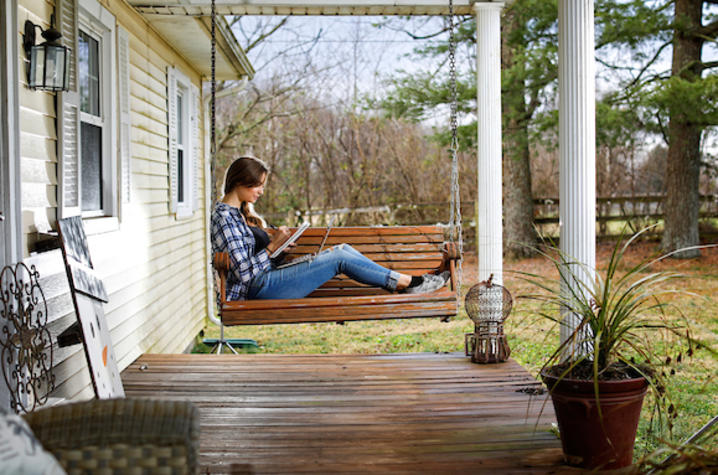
455,199
213,118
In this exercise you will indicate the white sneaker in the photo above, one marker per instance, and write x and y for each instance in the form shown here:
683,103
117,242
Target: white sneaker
431,283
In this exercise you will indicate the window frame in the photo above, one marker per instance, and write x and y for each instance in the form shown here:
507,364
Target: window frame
96,21
182,87
181,107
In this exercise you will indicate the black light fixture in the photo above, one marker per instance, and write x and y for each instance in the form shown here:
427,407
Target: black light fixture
49,68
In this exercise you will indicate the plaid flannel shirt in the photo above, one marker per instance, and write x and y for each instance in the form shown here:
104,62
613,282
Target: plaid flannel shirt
232,235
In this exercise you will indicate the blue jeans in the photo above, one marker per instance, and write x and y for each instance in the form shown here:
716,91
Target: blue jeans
302,279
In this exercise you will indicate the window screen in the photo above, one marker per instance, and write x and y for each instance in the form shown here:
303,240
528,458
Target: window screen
91,167
88,59
91,122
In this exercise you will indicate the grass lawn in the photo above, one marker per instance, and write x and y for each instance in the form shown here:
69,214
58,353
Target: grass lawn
694,387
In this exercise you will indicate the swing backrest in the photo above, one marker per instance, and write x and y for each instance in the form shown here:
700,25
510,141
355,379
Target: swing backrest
411,250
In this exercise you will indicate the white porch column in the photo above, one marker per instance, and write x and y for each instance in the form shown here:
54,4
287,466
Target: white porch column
488,80
577,139
10,202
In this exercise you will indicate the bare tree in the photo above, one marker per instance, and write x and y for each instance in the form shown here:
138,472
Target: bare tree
324,149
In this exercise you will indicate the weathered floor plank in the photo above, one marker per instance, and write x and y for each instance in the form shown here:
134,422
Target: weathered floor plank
409,413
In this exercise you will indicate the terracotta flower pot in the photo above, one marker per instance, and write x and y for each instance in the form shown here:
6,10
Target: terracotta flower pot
590,440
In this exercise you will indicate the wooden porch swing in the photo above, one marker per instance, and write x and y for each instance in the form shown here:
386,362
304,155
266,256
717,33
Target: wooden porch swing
408,249
413,250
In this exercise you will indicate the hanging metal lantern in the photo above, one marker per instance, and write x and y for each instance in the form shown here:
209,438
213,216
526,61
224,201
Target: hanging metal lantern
49,68
488,305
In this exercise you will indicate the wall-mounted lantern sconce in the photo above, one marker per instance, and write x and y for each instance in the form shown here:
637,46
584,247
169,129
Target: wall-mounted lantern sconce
49,68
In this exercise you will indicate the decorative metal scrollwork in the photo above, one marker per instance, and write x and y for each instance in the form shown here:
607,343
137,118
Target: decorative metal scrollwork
25,342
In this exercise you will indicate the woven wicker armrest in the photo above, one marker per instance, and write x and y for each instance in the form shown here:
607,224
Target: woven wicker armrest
120,433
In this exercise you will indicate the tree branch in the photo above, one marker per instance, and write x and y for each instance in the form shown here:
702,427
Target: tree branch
429,36
615,67
425,37
709,31
266,34
649,64
663,130
535,100
628,92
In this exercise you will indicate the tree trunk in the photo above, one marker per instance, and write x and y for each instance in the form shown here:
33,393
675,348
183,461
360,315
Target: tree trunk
683,163
520,236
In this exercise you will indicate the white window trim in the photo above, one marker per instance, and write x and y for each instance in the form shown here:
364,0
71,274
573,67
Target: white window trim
96,20
179,81
183,145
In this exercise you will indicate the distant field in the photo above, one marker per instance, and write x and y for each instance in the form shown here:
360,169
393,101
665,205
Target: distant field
694,387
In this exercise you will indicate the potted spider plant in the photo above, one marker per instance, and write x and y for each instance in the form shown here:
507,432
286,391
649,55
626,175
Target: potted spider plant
599,375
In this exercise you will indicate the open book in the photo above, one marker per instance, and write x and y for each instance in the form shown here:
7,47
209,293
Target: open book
291,239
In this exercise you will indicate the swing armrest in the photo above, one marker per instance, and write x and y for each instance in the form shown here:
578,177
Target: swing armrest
220,262
451,251
451,255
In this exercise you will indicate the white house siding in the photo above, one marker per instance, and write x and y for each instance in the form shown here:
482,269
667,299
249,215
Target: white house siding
152,263
37,136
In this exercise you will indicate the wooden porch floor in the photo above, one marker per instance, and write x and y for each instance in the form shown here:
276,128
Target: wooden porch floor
409,413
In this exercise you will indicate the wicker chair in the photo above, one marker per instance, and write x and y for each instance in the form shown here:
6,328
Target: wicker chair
120,435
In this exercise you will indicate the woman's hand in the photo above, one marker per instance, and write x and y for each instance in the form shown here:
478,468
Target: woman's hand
279,235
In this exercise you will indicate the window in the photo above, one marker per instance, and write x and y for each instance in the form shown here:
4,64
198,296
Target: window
183,125
181,145
91,122
87,113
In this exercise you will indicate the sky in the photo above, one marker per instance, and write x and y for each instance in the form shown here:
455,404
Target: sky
364,55
355,57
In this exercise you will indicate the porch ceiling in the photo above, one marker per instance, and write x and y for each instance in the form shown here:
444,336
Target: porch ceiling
191,37
305,7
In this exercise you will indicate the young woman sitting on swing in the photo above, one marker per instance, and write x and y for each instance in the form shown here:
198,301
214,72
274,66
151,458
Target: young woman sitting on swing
237,230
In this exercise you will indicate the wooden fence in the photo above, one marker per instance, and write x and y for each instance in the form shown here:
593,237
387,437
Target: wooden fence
611,214
636,212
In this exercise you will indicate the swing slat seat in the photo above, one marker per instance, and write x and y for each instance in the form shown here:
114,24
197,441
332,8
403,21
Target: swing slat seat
411,250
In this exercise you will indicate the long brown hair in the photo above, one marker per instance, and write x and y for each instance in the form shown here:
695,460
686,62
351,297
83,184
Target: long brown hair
246,171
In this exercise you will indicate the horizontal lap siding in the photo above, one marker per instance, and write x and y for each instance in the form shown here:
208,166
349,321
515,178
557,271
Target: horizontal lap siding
38,158
158,309
154,265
